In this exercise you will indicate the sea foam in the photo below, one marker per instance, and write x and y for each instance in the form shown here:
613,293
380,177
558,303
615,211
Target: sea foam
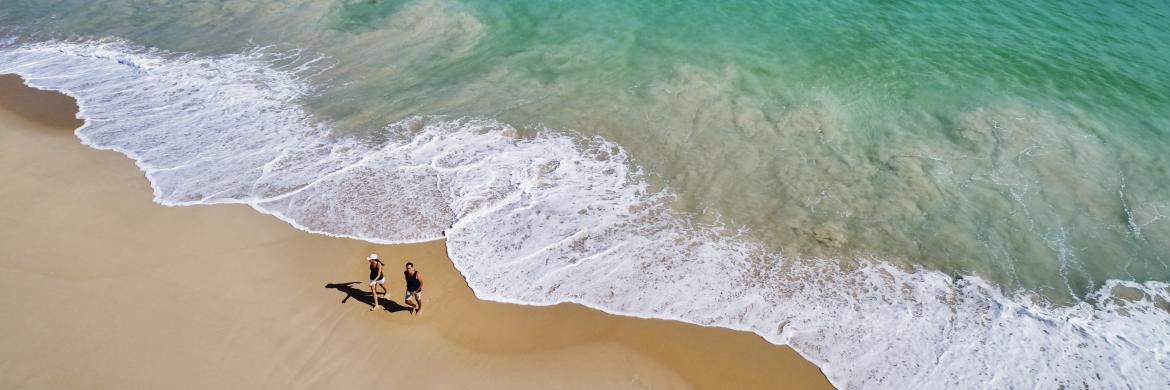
561,217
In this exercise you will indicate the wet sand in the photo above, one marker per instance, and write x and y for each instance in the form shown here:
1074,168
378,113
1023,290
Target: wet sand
105,289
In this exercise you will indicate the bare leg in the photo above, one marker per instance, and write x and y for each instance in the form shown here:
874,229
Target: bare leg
418,300
413,307
384,291
374,293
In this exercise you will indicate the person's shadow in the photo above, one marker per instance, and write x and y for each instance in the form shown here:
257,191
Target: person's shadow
364,296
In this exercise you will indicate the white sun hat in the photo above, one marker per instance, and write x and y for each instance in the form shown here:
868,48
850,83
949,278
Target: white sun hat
373,256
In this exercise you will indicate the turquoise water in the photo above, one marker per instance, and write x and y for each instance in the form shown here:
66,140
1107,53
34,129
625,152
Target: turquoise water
988,138
1023,142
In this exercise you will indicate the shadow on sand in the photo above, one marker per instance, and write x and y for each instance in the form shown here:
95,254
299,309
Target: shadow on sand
364,296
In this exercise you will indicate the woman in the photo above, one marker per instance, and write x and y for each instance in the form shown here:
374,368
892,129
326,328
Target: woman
377,279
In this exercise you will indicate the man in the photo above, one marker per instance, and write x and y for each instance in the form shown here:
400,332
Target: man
377,279
414,285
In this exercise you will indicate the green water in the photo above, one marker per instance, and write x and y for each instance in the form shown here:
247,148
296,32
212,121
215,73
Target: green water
1023,141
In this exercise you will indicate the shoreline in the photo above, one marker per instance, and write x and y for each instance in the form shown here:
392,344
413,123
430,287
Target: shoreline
112,290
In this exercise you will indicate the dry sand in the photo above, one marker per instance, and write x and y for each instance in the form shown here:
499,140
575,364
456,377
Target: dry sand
102,288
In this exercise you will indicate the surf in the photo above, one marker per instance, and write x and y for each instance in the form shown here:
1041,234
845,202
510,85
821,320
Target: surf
564,217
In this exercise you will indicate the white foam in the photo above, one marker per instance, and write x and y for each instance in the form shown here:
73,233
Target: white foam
563,218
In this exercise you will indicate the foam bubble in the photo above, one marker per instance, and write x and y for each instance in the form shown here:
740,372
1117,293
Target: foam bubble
565,218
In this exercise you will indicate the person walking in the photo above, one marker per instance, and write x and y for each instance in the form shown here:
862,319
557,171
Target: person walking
377,279
414,286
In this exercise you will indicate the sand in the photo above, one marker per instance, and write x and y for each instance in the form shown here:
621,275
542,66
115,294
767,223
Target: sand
102,288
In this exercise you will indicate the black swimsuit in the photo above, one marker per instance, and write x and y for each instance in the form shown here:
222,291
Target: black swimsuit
374,270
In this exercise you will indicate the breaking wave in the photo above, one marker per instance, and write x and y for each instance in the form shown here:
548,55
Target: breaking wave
561,217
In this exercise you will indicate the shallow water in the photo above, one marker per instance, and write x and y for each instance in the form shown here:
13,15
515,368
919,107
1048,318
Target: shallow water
804,148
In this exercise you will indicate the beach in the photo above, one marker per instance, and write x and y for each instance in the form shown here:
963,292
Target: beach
908,195
105,289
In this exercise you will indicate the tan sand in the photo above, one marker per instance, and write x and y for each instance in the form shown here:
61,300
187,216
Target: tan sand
103,288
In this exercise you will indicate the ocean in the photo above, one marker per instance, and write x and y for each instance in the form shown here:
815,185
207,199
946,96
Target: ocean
911,194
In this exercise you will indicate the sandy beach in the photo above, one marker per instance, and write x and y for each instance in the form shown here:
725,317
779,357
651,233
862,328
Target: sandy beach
105,289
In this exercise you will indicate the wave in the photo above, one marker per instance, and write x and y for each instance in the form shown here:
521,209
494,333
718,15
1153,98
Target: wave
562,217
